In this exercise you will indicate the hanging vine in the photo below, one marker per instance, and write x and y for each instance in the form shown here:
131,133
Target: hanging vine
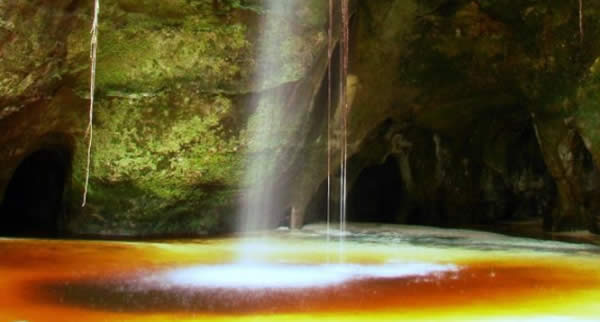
93,49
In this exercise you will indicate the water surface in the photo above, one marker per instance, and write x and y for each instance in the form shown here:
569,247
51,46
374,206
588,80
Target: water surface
393,273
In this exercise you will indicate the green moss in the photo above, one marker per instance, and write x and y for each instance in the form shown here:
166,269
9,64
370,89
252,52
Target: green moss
145,51
167,150
252,5
588,112
163,157
314,13
138,52
32,51
159,8
287,51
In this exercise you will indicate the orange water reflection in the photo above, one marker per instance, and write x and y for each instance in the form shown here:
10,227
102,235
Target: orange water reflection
95,281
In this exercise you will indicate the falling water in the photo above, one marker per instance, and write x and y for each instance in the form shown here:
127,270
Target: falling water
340,125
344,106
329,54
266,128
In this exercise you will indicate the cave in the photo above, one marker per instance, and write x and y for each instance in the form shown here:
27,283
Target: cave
341,160
33,202
377,195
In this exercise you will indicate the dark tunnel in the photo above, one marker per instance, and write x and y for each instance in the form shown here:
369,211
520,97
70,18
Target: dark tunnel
33,201
377,194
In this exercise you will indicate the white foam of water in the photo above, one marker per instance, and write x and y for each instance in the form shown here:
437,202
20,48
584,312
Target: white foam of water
286,276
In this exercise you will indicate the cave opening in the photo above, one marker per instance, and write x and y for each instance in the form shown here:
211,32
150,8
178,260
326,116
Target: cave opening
377,194
33,201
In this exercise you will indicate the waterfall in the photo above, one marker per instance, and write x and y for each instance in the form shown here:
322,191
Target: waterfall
266,128
338,125
344,55
329,56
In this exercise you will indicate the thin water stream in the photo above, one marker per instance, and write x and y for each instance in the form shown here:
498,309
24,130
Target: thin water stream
257,210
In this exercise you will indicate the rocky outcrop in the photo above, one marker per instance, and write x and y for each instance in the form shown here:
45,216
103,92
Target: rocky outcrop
480,110
35,110
176,86
484,105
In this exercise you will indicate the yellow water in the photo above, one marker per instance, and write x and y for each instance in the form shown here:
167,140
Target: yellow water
497,279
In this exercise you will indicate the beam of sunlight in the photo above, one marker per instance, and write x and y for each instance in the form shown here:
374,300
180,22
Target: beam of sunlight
267,133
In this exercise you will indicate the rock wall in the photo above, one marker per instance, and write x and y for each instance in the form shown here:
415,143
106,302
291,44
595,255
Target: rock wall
175,89
488,108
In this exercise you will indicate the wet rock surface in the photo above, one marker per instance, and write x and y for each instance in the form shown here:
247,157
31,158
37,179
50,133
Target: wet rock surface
487,110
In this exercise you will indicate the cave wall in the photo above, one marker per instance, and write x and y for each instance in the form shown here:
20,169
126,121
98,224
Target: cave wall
485,105
481,78
489,108
176,92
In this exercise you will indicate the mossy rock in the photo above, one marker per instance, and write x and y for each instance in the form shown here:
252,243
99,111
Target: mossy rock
173,114
161,156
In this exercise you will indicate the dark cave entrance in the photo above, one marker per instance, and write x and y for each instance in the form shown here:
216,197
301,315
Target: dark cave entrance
33,202
377,194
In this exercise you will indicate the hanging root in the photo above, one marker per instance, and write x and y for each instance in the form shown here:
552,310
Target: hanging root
89,131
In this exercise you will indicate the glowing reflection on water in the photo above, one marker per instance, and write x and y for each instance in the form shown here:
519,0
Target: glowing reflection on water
391,273
286,276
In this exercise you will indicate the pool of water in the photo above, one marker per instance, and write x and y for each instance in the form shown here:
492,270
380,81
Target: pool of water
378,273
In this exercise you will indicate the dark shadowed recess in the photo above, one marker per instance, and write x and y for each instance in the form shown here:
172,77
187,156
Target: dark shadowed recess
377,194
33,202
